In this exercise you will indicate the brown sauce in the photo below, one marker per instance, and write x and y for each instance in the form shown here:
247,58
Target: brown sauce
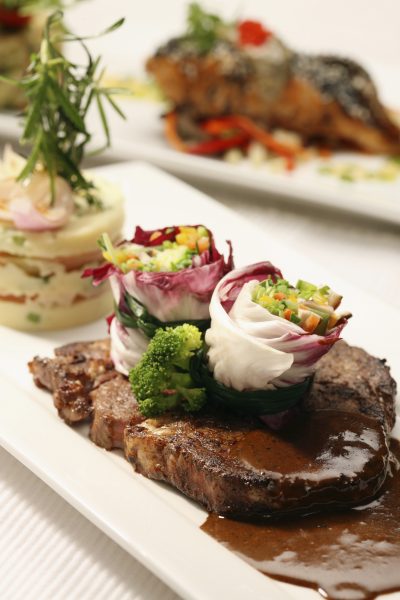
347,555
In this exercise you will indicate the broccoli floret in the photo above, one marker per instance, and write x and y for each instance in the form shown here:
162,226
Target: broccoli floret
161,380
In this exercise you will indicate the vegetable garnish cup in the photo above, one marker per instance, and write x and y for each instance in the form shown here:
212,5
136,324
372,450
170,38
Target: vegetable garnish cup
162,277
266,337
259,354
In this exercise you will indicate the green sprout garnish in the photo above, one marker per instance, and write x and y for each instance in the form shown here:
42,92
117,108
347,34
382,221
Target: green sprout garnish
307,305
33,317
59,95
168,256
202,27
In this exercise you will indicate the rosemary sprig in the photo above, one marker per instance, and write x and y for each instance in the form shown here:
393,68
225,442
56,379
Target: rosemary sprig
59,95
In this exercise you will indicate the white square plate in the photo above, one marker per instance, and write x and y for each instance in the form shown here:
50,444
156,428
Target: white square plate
155,524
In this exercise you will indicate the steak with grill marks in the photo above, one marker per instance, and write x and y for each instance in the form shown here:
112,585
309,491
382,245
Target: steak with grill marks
235,465
76,370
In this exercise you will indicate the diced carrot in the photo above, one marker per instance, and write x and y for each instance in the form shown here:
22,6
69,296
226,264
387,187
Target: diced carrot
203,244
311,323
287,313
279,296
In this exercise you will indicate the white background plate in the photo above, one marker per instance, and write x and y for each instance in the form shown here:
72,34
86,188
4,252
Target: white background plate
155,524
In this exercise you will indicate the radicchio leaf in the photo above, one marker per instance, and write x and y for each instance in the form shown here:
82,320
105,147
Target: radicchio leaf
252,349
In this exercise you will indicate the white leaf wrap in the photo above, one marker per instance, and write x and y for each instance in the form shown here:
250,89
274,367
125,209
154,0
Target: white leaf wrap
127,346
251,349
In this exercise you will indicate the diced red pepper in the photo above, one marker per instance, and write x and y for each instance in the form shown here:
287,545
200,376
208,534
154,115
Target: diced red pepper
12,18
219,145
253,33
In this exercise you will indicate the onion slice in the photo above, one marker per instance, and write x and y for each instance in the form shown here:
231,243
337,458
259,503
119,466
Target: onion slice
31,208
29,204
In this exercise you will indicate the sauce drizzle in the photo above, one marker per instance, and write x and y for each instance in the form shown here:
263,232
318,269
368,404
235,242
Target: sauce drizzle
347,555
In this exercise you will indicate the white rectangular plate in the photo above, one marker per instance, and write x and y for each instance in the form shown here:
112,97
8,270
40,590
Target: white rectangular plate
141,137
155,524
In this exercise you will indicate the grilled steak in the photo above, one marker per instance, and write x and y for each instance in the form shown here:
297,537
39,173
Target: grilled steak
98,350
237,467
234,465
114,406
350,379
72,375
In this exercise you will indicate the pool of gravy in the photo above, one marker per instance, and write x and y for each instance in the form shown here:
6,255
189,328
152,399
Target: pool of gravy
352,554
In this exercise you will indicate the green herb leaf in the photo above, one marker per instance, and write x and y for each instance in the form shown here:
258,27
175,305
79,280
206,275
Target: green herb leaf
60,94
33,317
202,27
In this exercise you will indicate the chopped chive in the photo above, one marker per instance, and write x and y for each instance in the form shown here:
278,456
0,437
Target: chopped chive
33,317
18,239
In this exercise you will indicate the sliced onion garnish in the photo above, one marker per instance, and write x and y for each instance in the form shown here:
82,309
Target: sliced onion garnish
31,206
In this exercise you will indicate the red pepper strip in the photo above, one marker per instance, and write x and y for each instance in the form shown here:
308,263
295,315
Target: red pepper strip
218,126
171,132
248,126
215,146
219,145
262,136
12,18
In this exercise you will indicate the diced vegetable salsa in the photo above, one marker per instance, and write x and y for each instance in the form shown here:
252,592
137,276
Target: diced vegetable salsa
169,256
311,307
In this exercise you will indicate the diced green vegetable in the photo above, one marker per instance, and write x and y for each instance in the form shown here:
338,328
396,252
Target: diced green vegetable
306,305
33,317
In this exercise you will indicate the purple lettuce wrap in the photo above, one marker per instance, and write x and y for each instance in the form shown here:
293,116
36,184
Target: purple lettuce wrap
252,349
166,297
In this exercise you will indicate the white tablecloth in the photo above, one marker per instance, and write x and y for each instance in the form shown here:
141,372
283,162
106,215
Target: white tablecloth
48,551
